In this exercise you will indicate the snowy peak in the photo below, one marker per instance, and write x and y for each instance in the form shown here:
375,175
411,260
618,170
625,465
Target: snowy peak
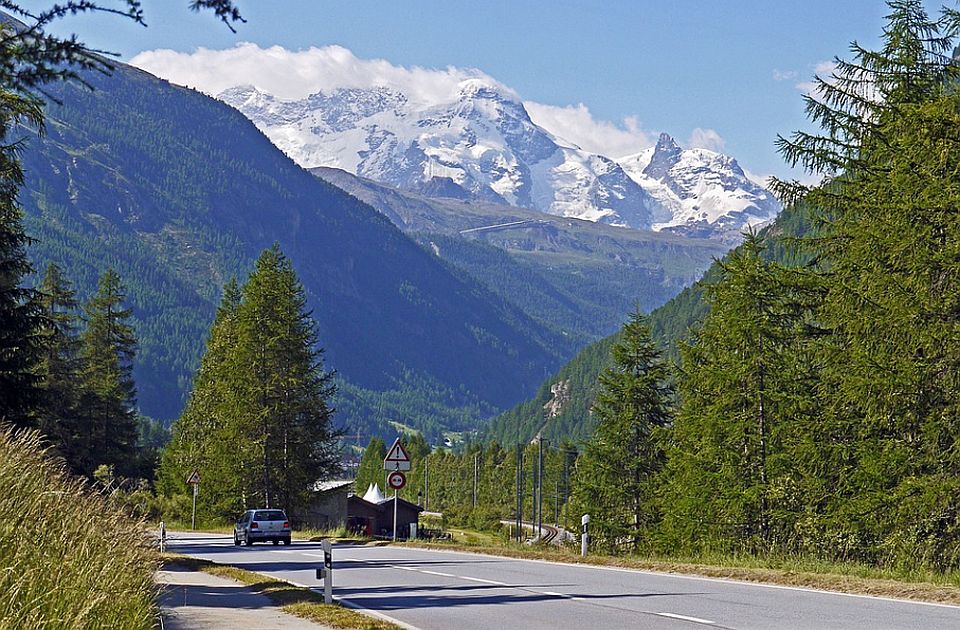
707,193
666,154
478,142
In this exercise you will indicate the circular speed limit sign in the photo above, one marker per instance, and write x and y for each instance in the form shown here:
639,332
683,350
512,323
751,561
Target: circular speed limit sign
396,480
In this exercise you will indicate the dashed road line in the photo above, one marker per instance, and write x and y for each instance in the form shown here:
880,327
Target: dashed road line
705,622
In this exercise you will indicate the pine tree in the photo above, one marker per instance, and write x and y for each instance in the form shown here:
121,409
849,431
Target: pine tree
615,476
109,393
61,417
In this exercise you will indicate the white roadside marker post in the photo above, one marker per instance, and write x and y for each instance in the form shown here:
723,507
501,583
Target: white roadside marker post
585,535
328,565
325,573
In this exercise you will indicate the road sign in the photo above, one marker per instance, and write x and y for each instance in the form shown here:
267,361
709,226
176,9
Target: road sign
396,480
194,477
397,458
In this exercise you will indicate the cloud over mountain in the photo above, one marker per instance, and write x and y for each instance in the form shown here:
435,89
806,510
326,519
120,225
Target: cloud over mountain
295,74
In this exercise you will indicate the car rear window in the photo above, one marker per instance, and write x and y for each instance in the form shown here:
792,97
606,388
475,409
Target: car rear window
270,515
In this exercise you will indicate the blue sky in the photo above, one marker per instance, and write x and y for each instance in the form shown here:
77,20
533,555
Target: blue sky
731,68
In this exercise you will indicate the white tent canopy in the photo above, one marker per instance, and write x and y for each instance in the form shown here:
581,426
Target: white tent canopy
374,495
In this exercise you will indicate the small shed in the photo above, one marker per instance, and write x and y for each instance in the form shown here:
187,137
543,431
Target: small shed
328,506
372,515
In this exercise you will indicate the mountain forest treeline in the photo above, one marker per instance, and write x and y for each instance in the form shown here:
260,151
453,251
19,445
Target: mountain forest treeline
815,410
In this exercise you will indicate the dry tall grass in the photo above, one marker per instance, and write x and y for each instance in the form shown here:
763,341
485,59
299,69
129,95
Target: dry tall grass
68,558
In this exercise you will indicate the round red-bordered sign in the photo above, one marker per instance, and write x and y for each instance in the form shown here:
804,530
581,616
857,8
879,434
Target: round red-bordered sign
396,480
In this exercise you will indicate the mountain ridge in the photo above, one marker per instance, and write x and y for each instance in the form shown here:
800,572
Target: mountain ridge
481,144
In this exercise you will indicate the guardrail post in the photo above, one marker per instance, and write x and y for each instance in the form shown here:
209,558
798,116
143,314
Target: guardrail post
163,537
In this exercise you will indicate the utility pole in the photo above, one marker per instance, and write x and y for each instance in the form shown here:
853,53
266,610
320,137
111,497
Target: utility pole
520,485
556,505
476,473
540,486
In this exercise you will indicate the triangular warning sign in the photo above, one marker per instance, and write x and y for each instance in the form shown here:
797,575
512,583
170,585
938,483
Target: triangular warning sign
397,454
194,477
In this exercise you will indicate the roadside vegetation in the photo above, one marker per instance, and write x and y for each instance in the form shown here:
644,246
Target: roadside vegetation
812,419
71,558
298,601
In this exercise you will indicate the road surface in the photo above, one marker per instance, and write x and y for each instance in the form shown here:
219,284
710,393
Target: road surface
430,590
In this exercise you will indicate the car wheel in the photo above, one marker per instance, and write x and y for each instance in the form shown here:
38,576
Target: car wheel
246,539
276,542
236,539
286,541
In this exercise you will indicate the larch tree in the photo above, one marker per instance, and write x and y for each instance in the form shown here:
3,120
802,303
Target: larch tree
370,469
616,474
284,389
888,240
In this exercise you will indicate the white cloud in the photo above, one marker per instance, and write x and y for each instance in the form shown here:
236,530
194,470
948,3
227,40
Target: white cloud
824,70
293,75
576,124
706,139
785,75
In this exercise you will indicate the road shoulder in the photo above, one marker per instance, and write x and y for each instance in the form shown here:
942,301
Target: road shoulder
196,600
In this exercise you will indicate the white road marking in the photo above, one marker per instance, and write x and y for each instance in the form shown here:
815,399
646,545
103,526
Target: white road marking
483,581
702,578
686,618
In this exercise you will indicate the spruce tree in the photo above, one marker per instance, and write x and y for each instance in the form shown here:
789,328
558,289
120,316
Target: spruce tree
61,417
109,393
615,476
20,317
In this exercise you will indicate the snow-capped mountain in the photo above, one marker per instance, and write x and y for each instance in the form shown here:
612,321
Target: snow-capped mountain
707,193
480,143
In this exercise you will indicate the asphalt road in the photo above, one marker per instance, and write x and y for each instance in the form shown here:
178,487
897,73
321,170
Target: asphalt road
461,591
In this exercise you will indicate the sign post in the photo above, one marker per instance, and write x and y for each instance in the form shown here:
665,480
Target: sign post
397,460
194,480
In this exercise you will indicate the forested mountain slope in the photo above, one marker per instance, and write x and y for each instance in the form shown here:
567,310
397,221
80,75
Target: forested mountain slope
561,407
179,192
574,276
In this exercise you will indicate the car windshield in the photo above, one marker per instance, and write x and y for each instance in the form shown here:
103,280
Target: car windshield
270,515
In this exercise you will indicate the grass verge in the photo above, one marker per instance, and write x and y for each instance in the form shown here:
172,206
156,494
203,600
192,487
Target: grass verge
296,600
70,557
798,572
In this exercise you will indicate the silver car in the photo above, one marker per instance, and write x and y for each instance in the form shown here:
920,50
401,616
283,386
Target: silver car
262,525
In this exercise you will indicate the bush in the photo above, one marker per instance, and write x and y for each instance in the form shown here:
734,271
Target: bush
70,558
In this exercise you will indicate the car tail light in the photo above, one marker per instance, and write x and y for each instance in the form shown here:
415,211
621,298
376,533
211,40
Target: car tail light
254,525
286,525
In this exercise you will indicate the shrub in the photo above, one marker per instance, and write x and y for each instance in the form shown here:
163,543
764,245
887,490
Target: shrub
70,558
